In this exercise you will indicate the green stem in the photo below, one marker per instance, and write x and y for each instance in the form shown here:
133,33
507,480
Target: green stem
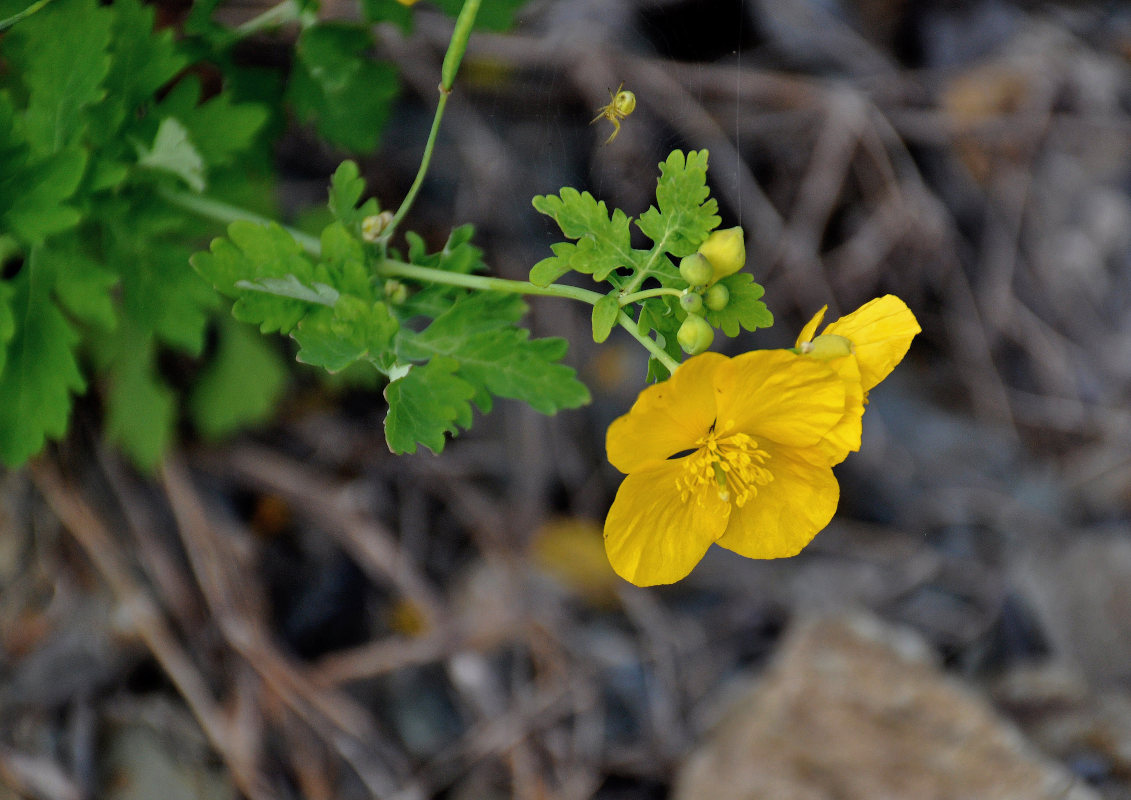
286,11
425,161
27,12
644,295
399,269
456,48
227,213
649,343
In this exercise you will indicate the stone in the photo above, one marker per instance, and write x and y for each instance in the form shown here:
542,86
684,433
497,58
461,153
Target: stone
853,709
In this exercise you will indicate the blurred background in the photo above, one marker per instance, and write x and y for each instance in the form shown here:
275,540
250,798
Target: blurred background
297,613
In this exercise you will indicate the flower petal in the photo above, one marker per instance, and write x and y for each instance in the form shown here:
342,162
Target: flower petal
810,328
777,395
881,332
651,535
668,417
844,437
787,512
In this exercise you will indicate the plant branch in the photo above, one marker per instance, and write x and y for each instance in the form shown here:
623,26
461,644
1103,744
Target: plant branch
649,343
634,297
227,213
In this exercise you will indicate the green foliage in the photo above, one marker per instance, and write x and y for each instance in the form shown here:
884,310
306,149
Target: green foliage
346,95
681,220
335,308
95,258
40,371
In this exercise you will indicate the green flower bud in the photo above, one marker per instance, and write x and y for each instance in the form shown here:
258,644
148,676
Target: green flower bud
827,346
696,270
395,291
717,297
726,250
692,302
695,335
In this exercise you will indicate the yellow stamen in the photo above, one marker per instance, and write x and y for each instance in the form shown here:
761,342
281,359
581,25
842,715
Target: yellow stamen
733,462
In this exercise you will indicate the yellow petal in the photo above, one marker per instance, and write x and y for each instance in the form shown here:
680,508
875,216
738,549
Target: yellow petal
777,395
844,437
787,512
881,332
668,417
810,328
651,535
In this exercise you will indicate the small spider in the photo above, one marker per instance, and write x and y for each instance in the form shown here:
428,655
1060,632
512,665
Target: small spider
620,106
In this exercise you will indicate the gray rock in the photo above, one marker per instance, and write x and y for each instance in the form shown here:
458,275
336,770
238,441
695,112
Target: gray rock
853,709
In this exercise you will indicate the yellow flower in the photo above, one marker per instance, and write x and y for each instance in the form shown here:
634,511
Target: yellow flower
863,347
727,451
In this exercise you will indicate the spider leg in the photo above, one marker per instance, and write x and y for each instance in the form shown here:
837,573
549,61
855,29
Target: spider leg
616,129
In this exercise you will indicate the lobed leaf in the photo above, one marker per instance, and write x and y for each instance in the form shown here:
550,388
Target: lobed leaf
745,308
427,403
336,85
41,371
686,213
495,356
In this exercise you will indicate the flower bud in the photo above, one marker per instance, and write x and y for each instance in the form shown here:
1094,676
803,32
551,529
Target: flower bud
726,250
692,302
717,297
696,270
695,335
827,346
374,225
395,291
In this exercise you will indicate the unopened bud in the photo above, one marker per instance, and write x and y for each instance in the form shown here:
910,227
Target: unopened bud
374,225
726,250
692,302
695,335
717,297
696,270
395,291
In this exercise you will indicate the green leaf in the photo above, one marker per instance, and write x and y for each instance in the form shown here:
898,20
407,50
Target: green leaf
173,152
346,189
254,253
224,130
83,286
495,356
745,307
7,321
142,62
352,330
41,372
605,313
141,409
335,85
429,402
241,385
686,213
388,11
36,195
603,244
61,55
